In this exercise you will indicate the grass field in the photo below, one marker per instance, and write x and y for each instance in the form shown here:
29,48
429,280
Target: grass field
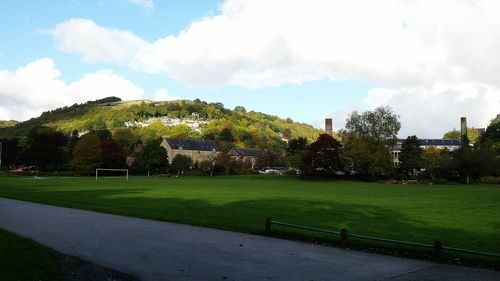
458,215
22,259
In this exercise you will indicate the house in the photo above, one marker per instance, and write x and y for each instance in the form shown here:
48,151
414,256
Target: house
246,154
450,144
198,150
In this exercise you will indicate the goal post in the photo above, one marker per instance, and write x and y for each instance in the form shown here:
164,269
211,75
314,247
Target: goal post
116,170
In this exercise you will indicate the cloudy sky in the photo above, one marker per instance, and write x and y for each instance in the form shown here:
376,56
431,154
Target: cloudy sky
431,61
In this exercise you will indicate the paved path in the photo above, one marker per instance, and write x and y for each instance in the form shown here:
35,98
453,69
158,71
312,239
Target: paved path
153,250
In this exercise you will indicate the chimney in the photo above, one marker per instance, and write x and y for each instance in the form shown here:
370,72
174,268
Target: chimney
463,127
328,126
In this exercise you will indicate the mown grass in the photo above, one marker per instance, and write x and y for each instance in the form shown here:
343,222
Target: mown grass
22,259
458,215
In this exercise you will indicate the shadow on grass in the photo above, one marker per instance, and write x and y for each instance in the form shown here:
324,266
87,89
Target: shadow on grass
249,216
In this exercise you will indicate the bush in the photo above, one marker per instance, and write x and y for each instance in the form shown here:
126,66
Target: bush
490,180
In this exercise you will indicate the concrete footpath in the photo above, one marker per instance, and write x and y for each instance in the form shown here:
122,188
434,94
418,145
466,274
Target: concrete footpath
153,250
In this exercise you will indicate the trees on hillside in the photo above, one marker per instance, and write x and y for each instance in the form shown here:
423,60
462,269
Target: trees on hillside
368,138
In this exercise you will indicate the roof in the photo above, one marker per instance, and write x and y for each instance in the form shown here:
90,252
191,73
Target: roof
192,144
435,142
255,152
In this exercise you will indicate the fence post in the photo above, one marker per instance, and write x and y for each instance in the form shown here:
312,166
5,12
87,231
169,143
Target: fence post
343,235
438,248
268,224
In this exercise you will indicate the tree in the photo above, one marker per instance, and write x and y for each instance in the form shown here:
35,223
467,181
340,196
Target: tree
125,138
226,135
323,156
87,153
432,160
181,163
240,109
296,150
368,139
491,138
223,160
46,148
206,167
472,135
113,155
470,162
287,133
72,141
411,155
152,159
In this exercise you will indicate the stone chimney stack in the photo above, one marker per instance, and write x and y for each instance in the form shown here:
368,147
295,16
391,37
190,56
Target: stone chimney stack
328,126
463,127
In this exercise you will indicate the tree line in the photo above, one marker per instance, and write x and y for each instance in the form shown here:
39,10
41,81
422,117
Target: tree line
362,149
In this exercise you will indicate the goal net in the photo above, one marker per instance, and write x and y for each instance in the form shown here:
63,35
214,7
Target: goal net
111,173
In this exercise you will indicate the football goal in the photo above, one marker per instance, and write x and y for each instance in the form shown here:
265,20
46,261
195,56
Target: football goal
101,172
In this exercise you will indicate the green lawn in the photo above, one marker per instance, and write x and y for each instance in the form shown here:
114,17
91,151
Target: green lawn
22,259
458,215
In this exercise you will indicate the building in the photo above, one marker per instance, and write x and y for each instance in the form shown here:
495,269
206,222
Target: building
449,144
247,154
198,150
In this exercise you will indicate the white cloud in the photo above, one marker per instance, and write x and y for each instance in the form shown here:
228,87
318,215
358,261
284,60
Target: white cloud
147,4
36,87
431,54
164,95
430,112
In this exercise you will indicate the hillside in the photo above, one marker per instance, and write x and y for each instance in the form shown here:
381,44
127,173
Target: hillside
247,129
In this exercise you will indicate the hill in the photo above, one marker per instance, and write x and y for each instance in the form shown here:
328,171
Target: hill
189,119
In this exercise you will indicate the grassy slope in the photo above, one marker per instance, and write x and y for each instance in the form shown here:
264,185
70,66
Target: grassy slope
460,216
23,259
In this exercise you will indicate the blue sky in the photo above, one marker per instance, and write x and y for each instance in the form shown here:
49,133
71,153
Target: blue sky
306,61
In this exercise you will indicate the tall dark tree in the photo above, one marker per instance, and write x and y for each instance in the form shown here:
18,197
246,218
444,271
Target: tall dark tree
296,151
324,156
411,155
72,141
113,155
46,148
12,153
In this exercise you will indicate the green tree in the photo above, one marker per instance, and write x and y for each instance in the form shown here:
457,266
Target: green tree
472,134
368,139
240,109
206,167
87,153
125,138
432,159
491,138
153,158
411,155
181,163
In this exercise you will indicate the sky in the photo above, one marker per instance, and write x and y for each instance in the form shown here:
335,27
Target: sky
430,61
